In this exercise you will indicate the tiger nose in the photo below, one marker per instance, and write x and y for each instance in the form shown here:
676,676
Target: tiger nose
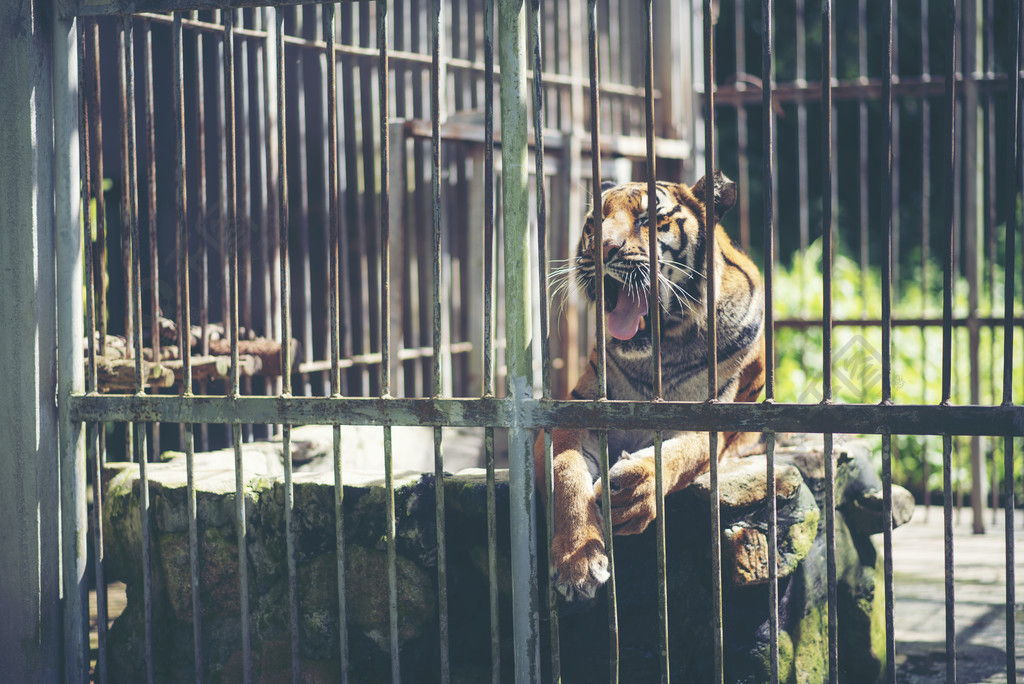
611,246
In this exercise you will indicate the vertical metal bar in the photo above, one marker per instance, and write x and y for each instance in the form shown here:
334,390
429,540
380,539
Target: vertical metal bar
1014,173
70,159
202,219
973,226
926,230
832,637
435,186
947,344
222,179
233,276
602,381
515,208
100,246
768,173
126,244
742,129
351,277
135,297
95,240
242,255
87,189
370,294
598,205
184,336
887,275
151,210
331,111
488,359
709,229
284,300
542,267
864,140
385,317
303,172
655,297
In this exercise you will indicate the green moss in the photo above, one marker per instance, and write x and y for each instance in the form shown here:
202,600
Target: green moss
802,535
810,658
763,659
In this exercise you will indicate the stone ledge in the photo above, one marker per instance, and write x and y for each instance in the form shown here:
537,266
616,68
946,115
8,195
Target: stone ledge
582,625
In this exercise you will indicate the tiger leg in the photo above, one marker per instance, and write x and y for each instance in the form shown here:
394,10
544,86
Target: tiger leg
577,547
632,479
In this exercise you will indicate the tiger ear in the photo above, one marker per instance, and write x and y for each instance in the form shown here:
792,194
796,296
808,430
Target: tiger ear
607,185
725,193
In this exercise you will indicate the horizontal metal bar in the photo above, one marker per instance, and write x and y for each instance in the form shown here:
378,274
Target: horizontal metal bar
614,145
72,8
983,321
897,419
744,93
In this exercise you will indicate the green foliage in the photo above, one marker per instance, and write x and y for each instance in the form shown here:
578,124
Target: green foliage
917,355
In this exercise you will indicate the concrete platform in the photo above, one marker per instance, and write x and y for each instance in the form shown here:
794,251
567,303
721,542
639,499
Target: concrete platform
979,573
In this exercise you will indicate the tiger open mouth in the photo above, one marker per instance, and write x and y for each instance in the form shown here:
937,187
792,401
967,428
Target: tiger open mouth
625,307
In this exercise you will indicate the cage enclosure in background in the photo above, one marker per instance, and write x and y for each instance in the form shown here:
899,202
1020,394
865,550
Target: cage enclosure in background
340,214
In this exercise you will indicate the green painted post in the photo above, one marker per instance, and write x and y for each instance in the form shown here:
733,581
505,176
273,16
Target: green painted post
515,213
70,353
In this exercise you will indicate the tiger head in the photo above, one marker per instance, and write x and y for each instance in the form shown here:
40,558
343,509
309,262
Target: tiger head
681,254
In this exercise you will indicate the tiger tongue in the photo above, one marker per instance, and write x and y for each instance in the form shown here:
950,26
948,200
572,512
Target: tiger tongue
624,320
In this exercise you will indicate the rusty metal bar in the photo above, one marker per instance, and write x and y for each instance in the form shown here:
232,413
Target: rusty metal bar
236,428
286,336
597,218
947,345
202,219
712,333
436,387
923,322
135,305
351,276
900,419
302,179
242,251
184,337
151,210
545,322
488,360
742,128
1014,172
222,179
832,637
887,276
330,33
85,166
126,242
92,184
99,254
655,317
385,322
767,180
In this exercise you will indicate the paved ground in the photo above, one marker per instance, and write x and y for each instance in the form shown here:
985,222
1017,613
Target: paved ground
979,573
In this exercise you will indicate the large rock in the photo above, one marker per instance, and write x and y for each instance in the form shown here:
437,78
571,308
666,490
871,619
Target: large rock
583,626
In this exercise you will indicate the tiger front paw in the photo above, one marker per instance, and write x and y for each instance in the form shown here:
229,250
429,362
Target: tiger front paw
633,495
581,565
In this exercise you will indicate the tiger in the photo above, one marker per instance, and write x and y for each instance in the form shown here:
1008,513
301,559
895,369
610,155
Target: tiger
578,550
